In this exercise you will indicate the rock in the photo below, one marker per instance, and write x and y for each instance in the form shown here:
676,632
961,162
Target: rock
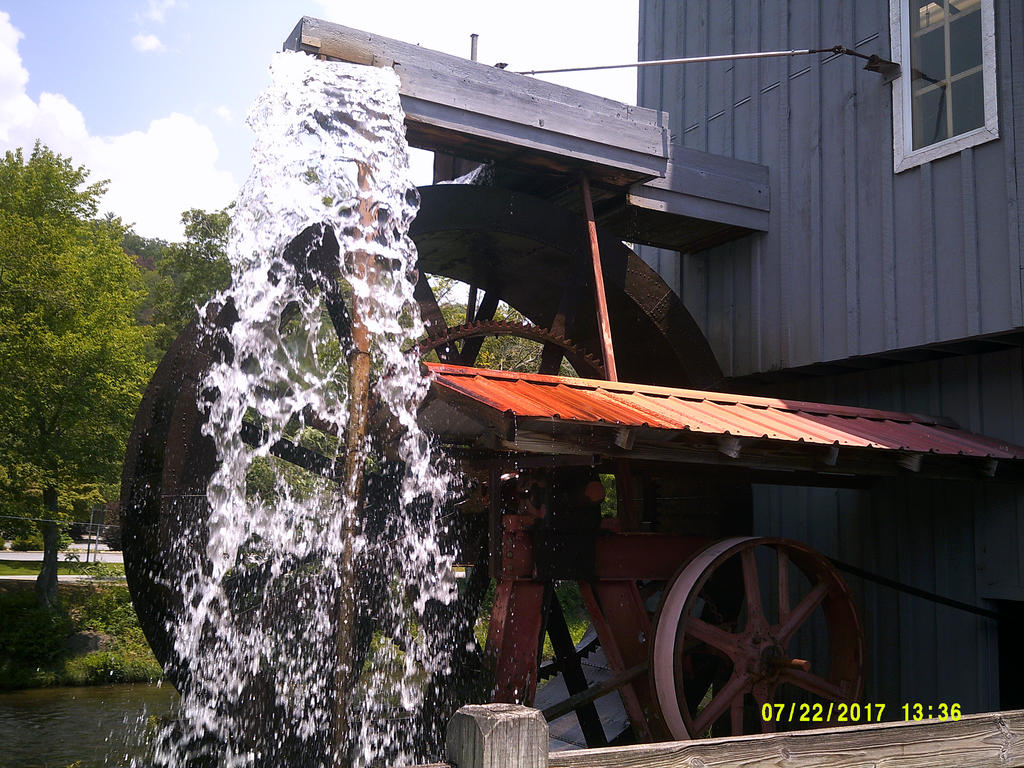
82,643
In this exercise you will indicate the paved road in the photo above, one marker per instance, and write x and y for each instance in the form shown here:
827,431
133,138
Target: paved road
104,555
60,577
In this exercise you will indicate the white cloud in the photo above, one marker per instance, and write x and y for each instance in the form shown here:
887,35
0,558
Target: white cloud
154,174
156,10
146,43
222,112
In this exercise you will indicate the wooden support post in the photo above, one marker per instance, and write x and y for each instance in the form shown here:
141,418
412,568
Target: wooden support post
352,491
603,324
498,736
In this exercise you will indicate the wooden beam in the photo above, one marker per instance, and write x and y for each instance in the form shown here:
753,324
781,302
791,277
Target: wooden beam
600,302
975,741
484,113
700,185
665,195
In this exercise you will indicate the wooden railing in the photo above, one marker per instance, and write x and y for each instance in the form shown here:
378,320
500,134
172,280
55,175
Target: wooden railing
511,736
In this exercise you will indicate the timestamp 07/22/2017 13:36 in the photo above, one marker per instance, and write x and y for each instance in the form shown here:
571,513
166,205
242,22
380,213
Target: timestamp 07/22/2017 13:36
840,713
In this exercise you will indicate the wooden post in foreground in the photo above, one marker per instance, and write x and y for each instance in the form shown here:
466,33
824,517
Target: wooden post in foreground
498,736
346,671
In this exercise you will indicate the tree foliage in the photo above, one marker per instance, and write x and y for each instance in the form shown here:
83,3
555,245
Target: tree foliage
71,351
180,277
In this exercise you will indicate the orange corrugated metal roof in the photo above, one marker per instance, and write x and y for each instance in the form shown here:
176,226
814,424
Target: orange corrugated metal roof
586,401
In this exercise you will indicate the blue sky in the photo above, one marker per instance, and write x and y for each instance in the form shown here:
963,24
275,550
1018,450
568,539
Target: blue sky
152,94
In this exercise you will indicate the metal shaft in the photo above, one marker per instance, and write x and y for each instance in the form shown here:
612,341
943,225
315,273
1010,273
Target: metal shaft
696,60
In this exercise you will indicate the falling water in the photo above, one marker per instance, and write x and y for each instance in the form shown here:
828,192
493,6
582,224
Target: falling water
272,598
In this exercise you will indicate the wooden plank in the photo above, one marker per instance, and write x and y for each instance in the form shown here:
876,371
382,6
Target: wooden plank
975,741
487,103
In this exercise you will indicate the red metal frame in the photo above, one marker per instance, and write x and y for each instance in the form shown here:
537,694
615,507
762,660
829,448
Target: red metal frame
612,599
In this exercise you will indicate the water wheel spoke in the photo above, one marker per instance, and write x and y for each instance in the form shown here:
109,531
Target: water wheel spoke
471,304
433,319
286,450
802,612
715,637
813,683
551,359
783,586
484,313
337,311
752,589
721,701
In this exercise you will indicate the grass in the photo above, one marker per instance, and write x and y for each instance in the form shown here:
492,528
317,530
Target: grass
31,568
34,650
576,616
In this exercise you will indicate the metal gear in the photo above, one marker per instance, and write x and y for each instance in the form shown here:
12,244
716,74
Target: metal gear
586,364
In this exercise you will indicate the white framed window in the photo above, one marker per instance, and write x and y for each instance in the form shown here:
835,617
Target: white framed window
945,99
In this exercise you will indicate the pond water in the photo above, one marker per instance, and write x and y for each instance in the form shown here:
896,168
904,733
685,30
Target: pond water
55,727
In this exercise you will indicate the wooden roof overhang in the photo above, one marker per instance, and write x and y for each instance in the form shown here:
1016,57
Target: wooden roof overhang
777,440
541,136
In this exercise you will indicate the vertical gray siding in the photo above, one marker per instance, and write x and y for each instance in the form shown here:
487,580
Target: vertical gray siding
958,539
857,260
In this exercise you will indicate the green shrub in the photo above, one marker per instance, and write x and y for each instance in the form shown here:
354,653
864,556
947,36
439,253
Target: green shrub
31,543
30,634
113,666
102,570
109,611
33,641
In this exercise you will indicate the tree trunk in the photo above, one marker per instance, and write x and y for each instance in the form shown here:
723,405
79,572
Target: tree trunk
46,583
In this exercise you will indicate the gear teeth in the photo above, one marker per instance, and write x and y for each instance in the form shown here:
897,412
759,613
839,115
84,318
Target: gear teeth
577,356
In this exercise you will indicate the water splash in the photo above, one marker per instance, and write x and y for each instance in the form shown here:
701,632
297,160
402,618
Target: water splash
271,594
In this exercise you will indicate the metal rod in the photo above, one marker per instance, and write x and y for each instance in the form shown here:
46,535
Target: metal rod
473,37
914,591
594,692
837,49
603,324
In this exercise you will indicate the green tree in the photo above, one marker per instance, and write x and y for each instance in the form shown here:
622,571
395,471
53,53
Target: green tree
71,352
185,275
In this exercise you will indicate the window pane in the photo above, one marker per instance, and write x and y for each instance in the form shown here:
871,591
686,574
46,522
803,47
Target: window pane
963,6
929,117
965,42
925,13
968,103
929,57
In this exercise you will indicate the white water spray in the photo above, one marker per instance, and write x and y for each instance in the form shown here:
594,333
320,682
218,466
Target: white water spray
262,630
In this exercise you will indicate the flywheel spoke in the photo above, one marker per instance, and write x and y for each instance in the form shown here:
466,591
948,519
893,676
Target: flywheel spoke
752,588
813,683
764,694
736,715
802,612
722,701
716,637
783,585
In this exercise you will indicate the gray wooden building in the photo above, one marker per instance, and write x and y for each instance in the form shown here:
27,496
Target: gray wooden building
890,276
